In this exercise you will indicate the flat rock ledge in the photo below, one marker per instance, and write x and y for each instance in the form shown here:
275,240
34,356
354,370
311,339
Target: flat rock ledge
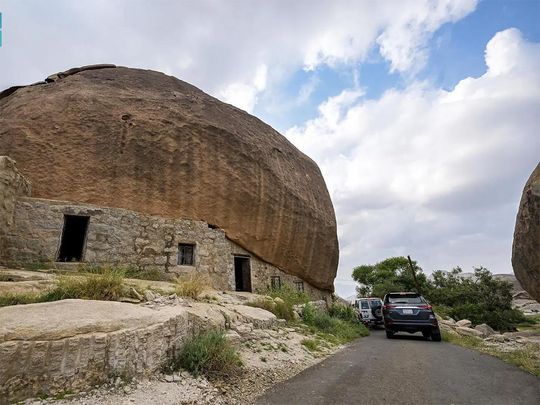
71,345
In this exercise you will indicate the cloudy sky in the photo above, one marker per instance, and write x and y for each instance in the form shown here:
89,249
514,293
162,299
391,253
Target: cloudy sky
423,115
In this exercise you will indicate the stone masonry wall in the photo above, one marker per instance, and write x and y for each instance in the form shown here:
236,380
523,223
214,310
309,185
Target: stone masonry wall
12,184
123,237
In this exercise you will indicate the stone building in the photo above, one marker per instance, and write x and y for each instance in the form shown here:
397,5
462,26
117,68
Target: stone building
121,166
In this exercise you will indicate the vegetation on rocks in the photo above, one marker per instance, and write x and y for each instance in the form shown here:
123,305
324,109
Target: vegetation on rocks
526,357
332,328
284,300
128,271
311,344
280,308
480,298
190,285
107,285
209,354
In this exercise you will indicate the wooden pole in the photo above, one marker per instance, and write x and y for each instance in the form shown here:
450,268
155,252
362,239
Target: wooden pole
413,274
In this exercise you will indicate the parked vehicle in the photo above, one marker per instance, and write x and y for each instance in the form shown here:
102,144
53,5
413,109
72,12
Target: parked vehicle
409,312
370,309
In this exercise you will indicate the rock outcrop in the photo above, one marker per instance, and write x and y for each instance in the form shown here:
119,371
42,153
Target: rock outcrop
148,142
526,247
71,345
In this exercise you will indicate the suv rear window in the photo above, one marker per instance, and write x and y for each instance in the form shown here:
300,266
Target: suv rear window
374,303
404,299
364,304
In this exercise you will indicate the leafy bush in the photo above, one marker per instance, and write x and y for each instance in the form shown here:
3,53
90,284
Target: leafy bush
343,312
209,354
480,299
332,328
190,285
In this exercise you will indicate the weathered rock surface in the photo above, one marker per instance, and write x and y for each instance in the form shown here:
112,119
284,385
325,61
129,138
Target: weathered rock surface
72,344
526,247
145,141
464,323
485,329
462,330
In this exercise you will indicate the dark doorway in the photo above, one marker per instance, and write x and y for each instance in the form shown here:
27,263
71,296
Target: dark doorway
73,238
242,273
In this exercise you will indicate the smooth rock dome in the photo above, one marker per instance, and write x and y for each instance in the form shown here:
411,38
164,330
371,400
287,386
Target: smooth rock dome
142,140
526,247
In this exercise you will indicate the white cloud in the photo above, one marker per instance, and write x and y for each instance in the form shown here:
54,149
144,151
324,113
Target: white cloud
244,95
212,44
403,43
432,173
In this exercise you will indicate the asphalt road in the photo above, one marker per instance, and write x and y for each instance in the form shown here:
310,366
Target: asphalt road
407,370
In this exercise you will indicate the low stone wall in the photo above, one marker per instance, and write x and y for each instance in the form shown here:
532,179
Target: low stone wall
71,345
123,237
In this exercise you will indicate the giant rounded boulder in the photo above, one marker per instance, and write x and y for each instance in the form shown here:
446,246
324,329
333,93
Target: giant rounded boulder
145,141
526,247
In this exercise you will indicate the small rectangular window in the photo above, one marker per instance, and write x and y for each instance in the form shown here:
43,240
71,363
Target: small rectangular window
275,282
186,253
299,286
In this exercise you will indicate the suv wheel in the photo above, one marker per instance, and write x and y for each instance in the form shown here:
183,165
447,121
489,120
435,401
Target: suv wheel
436,336
389,334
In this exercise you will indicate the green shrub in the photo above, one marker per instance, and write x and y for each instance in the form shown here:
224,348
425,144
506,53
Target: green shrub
332,328
209,354
282,310
288,295
499,319
343,312
311,344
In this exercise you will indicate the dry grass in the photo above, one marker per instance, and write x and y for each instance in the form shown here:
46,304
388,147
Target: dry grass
190,285
105,286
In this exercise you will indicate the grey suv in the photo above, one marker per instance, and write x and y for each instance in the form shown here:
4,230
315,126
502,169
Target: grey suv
409,312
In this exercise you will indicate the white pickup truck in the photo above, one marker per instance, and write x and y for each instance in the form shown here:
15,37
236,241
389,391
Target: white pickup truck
370,309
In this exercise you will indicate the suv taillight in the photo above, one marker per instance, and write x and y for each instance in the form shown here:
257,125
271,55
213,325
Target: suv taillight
386,307
424,306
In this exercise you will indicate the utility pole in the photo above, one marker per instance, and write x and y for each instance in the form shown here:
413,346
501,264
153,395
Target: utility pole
413,274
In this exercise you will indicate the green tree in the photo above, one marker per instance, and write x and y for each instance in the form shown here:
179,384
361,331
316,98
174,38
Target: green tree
390,275
480,298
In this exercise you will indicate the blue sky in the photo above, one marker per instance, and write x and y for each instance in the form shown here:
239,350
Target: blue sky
422,114
456,51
